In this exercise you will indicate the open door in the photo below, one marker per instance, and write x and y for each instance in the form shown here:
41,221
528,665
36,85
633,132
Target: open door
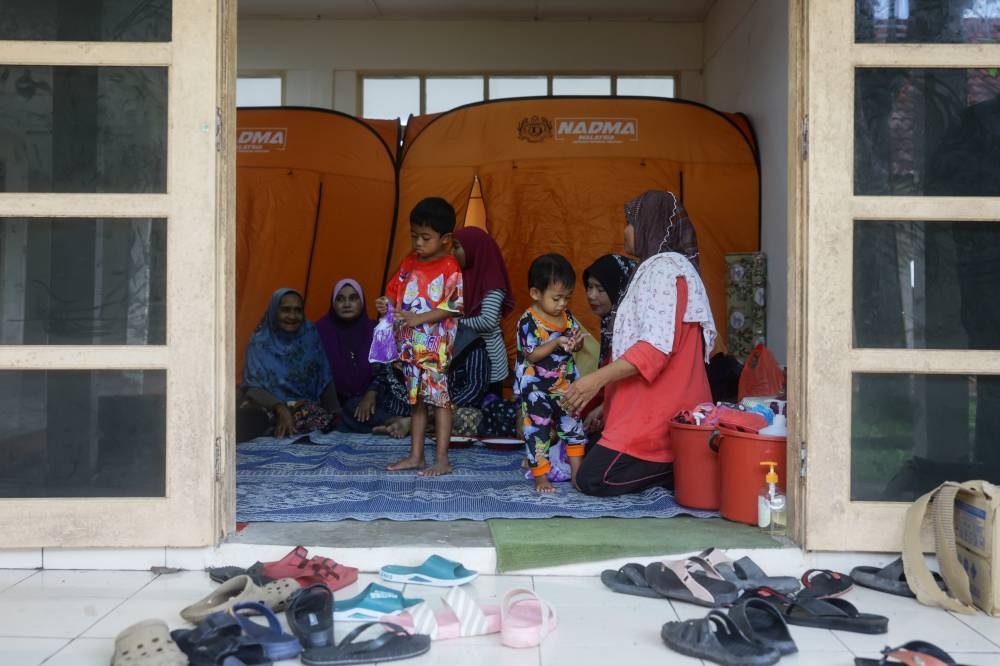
113,277
901,259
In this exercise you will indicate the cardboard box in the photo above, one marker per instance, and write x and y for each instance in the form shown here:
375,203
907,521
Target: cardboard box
976,537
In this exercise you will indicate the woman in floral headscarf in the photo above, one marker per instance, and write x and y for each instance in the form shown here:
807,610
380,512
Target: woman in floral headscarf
663,335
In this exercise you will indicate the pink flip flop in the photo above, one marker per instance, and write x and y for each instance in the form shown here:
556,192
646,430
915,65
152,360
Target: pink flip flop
461,616
525,620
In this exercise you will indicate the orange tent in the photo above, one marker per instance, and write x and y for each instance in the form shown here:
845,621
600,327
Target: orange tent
322,195
556,172
315,202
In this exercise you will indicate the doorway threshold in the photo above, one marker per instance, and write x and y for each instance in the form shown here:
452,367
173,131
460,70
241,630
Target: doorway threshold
369,545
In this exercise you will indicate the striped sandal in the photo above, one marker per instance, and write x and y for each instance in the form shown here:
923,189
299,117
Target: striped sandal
461,616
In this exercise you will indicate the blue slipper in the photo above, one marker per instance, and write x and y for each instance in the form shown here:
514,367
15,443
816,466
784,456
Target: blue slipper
374,602
436,571
277,645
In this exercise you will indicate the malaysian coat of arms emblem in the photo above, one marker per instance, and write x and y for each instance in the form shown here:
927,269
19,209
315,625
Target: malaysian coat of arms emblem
534,129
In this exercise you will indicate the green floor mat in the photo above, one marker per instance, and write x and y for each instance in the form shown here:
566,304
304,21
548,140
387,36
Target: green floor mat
528,544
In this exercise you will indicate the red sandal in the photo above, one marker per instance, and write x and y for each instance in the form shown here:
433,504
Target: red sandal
334,575
308,571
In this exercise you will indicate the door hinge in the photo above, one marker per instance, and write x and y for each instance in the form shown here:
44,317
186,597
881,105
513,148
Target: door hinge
802,460
804,141
217,452
218,129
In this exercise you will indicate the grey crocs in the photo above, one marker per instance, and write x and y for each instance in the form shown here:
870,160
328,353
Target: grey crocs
716,638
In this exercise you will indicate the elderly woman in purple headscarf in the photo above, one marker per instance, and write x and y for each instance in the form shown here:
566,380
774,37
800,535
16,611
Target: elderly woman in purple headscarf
345,332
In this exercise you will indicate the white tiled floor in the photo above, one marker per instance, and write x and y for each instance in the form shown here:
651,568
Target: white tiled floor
70,618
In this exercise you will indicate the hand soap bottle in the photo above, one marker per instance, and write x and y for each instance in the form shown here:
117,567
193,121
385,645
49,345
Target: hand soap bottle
772,515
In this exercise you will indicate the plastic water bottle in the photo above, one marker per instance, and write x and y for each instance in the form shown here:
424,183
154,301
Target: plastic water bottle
778,428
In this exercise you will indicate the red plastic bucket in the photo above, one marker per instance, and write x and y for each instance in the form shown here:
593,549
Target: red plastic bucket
742,477
696,466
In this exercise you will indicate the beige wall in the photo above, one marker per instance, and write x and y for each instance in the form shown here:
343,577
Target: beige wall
321,58
746,69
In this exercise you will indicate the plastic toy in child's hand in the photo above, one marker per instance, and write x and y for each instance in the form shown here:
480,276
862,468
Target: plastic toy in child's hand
384,348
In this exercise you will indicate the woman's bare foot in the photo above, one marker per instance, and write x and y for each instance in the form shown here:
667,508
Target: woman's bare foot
399,428
543,485
439,468
380,430
407,463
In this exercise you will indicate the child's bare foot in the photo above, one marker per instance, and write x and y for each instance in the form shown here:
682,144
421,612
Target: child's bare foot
380,430
543,485
399,428
524,463
409,462
439,468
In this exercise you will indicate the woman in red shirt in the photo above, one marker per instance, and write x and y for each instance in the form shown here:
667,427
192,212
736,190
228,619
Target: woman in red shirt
663,335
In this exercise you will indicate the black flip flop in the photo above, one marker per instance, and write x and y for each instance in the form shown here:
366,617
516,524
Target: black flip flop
824,583
394,644
832,613
914,652
256,573
716,638
890,579
745,574
673,581
630,579
764,624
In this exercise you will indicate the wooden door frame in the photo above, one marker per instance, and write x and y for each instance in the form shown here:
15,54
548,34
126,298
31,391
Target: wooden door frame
825,257
184,516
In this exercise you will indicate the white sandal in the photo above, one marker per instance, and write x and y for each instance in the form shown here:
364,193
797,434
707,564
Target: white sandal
147,643
240,589
461,616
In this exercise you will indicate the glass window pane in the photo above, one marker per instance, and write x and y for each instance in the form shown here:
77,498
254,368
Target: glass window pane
927,21
910,432
83,282
86,20
518,86
258,91
926,132
581,85
83,129
647,86
926,285
444,93
83,433
390,97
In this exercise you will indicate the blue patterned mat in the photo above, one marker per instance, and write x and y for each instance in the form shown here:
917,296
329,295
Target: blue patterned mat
340,476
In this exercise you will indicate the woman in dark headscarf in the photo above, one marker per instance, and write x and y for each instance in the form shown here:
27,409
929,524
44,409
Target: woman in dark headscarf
606,280
286,371
663,335
487,294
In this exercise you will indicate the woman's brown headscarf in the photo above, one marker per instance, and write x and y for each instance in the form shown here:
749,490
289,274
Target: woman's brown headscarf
661,225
